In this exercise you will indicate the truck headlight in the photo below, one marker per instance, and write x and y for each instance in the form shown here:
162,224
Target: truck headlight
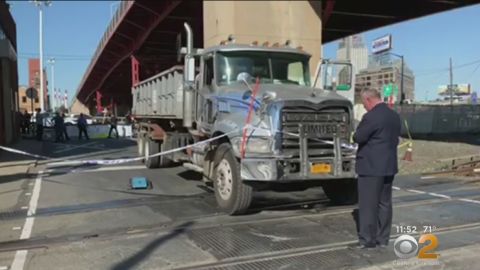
253,145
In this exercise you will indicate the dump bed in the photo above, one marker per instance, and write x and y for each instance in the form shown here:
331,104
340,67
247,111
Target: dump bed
160,96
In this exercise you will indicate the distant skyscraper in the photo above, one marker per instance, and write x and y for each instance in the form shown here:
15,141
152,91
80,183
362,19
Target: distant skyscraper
354,49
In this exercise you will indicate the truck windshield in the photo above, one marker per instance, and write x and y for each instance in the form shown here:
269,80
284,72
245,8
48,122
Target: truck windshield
276,67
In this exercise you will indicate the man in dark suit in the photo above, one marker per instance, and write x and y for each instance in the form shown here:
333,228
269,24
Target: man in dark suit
377,136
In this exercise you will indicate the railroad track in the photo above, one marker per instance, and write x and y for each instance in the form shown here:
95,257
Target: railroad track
469,168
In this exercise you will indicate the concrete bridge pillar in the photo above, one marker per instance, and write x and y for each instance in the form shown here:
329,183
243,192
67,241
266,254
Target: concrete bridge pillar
272,21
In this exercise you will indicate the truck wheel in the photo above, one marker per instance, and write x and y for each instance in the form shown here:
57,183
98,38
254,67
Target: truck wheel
165,160
140,145
233,196
341,192
151,148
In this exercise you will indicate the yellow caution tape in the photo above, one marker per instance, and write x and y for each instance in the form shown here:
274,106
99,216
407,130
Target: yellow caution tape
409,143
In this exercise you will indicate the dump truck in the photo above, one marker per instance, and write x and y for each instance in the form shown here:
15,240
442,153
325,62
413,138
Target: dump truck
250,117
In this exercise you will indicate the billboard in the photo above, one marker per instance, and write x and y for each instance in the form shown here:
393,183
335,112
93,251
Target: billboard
382,44
463,89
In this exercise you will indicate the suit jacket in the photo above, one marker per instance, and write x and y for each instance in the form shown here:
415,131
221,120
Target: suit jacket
377,137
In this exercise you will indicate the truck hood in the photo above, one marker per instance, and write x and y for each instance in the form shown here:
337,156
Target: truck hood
283,93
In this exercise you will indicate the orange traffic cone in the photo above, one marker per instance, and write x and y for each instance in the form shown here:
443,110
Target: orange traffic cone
408,153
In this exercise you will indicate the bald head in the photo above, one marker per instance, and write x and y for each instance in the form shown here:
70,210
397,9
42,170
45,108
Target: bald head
371,93
370,98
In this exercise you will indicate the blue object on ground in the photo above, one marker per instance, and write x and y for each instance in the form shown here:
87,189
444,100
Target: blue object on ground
139,182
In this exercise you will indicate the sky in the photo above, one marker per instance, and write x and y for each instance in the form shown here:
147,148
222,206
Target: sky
427,43
73,29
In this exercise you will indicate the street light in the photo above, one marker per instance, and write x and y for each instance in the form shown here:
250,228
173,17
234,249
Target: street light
40,5
402,95
51,62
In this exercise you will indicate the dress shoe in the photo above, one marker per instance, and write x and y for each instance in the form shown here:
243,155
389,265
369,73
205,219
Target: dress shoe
382,245
363,247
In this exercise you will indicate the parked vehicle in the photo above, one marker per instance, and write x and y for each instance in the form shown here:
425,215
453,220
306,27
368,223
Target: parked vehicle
47,119
72,119
297,133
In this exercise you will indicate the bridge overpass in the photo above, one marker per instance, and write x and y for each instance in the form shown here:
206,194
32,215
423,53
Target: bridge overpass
141,39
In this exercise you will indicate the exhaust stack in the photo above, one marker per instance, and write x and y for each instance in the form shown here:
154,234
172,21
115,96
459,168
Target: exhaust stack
189,79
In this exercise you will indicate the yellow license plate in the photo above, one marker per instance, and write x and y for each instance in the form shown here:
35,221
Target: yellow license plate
320,168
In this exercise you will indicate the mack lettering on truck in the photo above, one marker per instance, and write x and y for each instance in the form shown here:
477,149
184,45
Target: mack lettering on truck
320,130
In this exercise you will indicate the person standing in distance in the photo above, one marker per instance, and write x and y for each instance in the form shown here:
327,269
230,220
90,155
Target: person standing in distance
82,127
113,126
377,136
39,124
64,128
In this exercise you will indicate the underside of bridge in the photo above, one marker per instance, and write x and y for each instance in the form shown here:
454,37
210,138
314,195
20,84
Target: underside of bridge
148,31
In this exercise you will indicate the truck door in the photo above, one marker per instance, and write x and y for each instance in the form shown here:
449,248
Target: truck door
204,106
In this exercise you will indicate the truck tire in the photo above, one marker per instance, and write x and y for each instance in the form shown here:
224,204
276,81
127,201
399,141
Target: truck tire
151,148
232,194
165,160
341,192
140,145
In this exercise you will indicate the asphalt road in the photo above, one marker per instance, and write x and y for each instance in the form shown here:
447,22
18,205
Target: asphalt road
87,217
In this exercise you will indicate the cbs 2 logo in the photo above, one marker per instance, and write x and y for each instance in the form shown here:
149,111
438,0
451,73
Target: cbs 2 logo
405,246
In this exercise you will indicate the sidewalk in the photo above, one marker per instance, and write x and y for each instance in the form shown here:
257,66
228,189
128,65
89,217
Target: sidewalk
14,168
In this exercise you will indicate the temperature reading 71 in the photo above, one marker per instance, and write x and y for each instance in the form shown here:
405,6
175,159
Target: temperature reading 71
429,229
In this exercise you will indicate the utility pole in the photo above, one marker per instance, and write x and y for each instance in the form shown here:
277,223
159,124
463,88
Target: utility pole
42,90
402,94
40,5
450,87
51,61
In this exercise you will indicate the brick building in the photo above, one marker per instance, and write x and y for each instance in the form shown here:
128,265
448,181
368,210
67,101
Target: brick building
34,80
25,103
9,121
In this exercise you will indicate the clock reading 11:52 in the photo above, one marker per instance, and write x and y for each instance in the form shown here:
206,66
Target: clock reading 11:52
408,229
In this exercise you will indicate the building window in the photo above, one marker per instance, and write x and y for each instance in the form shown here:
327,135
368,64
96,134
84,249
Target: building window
36,100
368,83
24,99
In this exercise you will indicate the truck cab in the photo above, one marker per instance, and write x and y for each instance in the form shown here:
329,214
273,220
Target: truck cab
296,132
265,120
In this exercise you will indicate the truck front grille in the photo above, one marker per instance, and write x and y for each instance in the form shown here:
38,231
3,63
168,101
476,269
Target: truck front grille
324,124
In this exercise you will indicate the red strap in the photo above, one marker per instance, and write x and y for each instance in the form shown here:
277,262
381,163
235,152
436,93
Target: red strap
249,116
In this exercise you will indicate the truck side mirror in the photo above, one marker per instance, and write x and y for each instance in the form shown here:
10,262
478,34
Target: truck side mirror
337,76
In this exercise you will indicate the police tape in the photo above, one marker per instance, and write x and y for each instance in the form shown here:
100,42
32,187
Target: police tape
348,146
114,161
343,145
407,143
128,160
16,151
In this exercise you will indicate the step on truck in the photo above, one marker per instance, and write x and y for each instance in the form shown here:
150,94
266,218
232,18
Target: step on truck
297,134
